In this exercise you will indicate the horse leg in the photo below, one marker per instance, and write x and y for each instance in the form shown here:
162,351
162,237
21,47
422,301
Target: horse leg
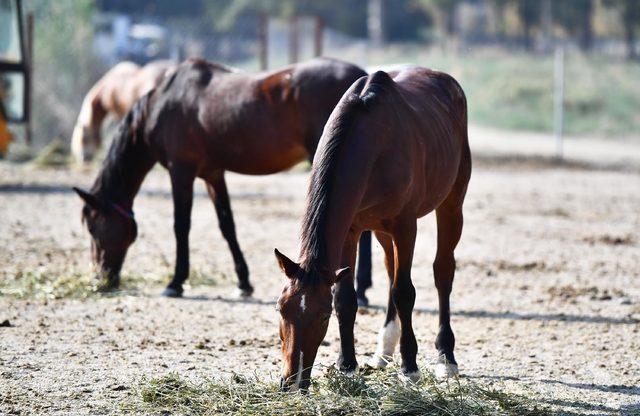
389,334
449,230
363,271
217,188
346,306
404,294
182,178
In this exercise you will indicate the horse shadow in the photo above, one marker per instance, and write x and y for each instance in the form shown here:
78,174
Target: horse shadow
627,409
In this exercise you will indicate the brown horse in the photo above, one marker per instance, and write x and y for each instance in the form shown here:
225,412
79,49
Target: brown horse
115,93
392,151
201,121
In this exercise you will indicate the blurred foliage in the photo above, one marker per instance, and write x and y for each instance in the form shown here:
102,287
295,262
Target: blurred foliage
509,91
515,91
65,65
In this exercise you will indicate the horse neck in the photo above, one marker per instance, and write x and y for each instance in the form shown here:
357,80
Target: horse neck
127,164
324,237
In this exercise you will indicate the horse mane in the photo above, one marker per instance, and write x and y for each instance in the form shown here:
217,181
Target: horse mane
126,150
361,97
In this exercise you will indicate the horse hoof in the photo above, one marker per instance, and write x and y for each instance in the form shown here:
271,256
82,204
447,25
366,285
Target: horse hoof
445,370
349,372
172,293
243,293
363,301
107,288
411,377
379,361
347,369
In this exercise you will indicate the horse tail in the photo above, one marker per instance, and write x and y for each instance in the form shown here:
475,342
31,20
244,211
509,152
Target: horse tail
80,149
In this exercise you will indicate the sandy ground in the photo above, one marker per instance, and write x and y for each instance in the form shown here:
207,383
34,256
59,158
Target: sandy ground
546,299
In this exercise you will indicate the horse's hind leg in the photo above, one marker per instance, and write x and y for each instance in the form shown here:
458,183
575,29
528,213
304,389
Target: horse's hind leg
363,271
182,178
217,188
389,334
449,219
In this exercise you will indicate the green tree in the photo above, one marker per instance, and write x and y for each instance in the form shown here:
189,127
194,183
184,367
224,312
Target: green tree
444,14
65,66
630,15
529,14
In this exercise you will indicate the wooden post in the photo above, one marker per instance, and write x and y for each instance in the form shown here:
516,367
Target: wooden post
264,41
375,21
29,80
559,100
293,40
319,37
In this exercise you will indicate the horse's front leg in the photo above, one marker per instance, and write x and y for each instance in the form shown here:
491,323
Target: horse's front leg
449,230
217,188
346,305
182,178
404,294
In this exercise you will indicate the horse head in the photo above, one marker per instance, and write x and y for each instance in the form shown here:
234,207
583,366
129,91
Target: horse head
113,229
305,309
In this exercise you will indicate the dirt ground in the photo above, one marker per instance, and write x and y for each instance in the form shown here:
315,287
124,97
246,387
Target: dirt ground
546,300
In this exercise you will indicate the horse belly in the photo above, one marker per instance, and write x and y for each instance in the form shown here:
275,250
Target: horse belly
251,155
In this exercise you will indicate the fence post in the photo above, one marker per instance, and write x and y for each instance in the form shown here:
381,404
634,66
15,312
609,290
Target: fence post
558,103
264,41
319,36
293,39
29,80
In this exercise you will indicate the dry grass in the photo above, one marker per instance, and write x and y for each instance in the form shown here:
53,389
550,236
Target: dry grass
43,284
370,392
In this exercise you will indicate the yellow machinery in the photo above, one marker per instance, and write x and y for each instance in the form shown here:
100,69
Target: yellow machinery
5,134
14,72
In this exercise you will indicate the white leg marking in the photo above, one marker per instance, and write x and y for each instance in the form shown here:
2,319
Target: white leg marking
296,385
303,303
444,369
412,377
388,338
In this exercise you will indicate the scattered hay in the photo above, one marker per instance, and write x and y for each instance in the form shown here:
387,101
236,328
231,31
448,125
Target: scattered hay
611,240
41,283
54,154
372,392
45,285
592,292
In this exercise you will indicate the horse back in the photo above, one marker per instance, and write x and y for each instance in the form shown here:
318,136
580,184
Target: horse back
417,120
440,108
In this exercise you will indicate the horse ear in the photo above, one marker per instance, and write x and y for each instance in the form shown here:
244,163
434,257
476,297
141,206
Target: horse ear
289,267
340,273
88,198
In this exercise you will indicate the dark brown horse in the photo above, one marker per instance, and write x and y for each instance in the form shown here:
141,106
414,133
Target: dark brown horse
201,121
392,151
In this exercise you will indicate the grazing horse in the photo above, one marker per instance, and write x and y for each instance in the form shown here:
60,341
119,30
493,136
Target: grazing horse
115,93
392,151
201,121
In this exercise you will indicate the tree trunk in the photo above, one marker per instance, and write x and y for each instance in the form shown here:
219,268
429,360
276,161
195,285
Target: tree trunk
630,37
586,37
526,33
375,21
547,22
